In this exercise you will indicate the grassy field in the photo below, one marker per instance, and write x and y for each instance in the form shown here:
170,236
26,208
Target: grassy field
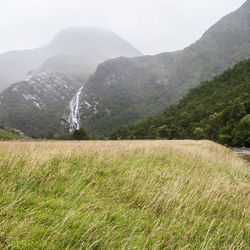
123,195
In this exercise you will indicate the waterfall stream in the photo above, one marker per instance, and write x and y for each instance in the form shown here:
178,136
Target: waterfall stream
74,116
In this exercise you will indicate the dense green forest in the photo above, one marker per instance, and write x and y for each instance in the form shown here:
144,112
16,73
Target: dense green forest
218,110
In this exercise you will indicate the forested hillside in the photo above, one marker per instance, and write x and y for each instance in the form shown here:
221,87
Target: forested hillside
218,110
126,90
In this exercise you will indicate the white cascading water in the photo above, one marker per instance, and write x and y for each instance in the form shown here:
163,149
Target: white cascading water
74,116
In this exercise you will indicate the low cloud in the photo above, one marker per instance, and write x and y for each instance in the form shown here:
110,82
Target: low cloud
153,26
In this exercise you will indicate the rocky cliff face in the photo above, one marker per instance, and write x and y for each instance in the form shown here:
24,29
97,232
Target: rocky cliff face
37,104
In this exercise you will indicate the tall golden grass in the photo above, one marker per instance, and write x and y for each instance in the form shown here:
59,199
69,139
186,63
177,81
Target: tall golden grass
123,195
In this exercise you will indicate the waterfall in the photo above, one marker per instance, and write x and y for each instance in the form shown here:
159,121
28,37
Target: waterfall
74,116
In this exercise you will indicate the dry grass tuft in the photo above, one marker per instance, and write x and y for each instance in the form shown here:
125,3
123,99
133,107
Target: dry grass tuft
122,195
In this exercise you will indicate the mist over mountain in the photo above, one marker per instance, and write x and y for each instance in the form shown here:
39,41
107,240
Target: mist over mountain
102,147
125,90
122,90
74,51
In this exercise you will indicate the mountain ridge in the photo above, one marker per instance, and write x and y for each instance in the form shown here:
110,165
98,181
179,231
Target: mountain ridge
161,80
78,42
126,90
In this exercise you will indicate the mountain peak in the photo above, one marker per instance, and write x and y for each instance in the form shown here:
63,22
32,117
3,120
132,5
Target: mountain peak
76,50
91,40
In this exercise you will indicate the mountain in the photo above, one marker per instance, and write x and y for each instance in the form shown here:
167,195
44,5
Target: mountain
218,110
126,90
37,104
74,51
122,90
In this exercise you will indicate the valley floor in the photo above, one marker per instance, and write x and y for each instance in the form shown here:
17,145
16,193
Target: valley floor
122,195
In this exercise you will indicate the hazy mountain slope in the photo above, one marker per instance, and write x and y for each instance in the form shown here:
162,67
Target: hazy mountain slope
11,134
37,104
94,43
126,90
85,47
122,90
75,66
217,110
15,64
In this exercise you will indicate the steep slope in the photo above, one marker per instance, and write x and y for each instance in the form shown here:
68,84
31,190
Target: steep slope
78,50
217,110
122,90
11,134
37,104
125,90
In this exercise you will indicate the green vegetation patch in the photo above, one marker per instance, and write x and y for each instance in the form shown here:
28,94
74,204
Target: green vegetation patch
218,110
130,201
9,135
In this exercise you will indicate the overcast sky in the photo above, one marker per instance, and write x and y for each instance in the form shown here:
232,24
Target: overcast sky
152,26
